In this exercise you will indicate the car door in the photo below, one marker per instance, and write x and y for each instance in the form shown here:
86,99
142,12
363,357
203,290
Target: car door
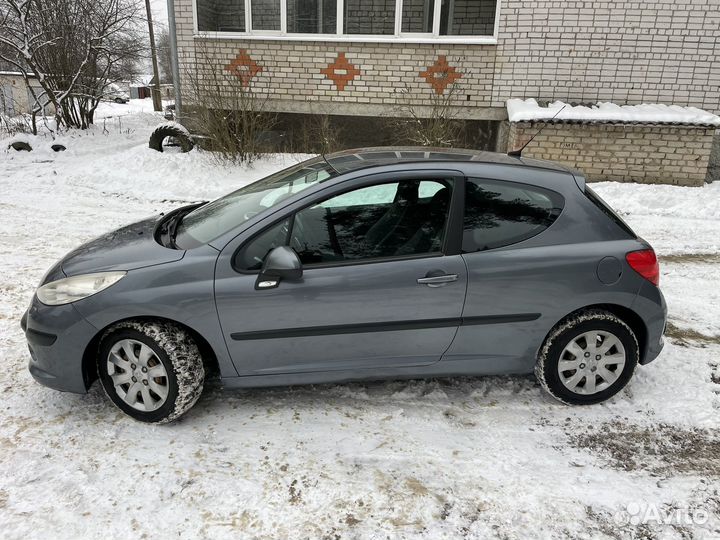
379,290
516,281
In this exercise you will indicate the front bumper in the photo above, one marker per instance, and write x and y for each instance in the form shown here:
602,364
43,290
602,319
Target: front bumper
57,337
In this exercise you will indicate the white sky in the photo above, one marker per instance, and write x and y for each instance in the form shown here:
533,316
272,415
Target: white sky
159,9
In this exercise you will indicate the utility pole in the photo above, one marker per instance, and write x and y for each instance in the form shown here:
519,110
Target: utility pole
174,60
157,102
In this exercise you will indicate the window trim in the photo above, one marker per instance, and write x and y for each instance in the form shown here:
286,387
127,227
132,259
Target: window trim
520,185
452,241
339,36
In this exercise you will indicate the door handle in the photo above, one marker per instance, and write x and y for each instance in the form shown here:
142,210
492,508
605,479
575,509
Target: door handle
437,281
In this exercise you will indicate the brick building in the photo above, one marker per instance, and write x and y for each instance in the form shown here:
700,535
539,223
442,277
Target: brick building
367,59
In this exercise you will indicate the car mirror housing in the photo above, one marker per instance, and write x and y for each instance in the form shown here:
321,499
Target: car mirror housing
281,263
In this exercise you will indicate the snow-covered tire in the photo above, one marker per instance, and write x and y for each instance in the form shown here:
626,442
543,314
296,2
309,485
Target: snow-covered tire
176,132
180,357
571,328
20,146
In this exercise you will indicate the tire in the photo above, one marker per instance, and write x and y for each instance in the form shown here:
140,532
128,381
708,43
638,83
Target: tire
20,146
160,134
166,367
569,335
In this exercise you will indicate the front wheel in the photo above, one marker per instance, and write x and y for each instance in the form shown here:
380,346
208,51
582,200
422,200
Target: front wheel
151,371
587,358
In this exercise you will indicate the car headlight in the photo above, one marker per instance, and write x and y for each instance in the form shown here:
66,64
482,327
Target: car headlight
67,290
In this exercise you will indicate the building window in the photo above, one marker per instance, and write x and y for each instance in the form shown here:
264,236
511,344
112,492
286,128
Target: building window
417,16
265,15
312,16
370,20
220,16
467,17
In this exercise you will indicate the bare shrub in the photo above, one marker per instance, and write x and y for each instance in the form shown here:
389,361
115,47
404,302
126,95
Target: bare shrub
434,123
14,125
225,107
318,134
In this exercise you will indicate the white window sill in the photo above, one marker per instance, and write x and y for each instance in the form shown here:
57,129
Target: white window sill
450,40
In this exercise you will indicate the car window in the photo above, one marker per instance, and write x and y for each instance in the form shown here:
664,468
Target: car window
252,255
373,195
500,214
215,218
391,219
385,220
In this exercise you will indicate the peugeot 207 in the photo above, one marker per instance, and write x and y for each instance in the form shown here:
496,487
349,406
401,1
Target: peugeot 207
364,264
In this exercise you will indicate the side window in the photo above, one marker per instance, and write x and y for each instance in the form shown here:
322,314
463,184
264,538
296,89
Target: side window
391,219
386,220
252,254
500,214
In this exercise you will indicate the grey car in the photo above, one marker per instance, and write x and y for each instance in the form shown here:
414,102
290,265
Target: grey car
365,264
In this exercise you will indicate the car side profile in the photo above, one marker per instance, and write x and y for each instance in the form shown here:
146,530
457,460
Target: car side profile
364,264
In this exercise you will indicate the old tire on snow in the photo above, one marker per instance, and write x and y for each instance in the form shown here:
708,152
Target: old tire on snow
179,134
152,371
20,146
587,358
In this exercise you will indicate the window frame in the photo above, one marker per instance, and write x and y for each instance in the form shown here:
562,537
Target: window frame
453,236
339,35
552,194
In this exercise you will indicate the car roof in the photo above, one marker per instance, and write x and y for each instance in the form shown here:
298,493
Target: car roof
362,158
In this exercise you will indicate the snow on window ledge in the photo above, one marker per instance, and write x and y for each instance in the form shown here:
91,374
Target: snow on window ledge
526,110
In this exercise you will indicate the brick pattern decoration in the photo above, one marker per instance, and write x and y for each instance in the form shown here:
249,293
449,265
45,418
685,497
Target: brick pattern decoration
666,154
340,72
623,51
244,67
440,75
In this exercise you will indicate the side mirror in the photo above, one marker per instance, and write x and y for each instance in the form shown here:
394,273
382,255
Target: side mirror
281,263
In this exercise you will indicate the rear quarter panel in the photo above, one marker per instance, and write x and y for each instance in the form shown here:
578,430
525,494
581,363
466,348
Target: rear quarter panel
552,275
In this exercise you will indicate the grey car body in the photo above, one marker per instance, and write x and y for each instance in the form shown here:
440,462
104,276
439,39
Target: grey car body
368,320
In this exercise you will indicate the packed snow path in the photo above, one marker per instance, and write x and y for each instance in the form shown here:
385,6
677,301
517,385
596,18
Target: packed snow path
451,458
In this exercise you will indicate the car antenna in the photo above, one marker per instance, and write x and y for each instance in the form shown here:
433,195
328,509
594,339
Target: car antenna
518,152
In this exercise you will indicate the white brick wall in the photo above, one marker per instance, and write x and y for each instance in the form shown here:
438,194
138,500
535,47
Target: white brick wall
625,51
662,154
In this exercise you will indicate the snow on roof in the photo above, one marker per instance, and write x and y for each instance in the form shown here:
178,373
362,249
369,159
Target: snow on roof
526,110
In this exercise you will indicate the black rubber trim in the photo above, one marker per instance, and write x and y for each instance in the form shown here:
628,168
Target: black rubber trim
390,326
40,338
23,322
498,319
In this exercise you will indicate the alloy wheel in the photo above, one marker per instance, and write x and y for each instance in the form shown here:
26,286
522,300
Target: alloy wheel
138,375
591,362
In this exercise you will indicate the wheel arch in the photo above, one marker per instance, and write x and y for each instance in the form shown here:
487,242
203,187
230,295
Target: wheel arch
627,315
90,355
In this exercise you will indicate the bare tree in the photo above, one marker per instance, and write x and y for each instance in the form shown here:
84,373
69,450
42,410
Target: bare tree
225,106
74,49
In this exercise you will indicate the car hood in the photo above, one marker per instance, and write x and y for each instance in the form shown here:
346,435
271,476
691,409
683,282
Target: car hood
130,247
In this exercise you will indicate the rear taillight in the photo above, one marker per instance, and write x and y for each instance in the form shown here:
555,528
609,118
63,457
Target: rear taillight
645,263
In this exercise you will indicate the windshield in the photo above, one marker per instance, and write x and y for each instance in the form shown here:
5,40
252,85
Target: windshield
214,219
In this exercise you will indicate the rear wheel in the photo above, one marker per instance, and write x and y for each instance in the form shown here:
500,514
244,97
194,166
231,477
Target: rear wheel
151,371
587,358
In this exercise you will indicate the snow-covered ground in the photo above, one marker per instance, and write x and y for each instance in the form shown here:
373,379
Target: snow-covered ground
459,458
